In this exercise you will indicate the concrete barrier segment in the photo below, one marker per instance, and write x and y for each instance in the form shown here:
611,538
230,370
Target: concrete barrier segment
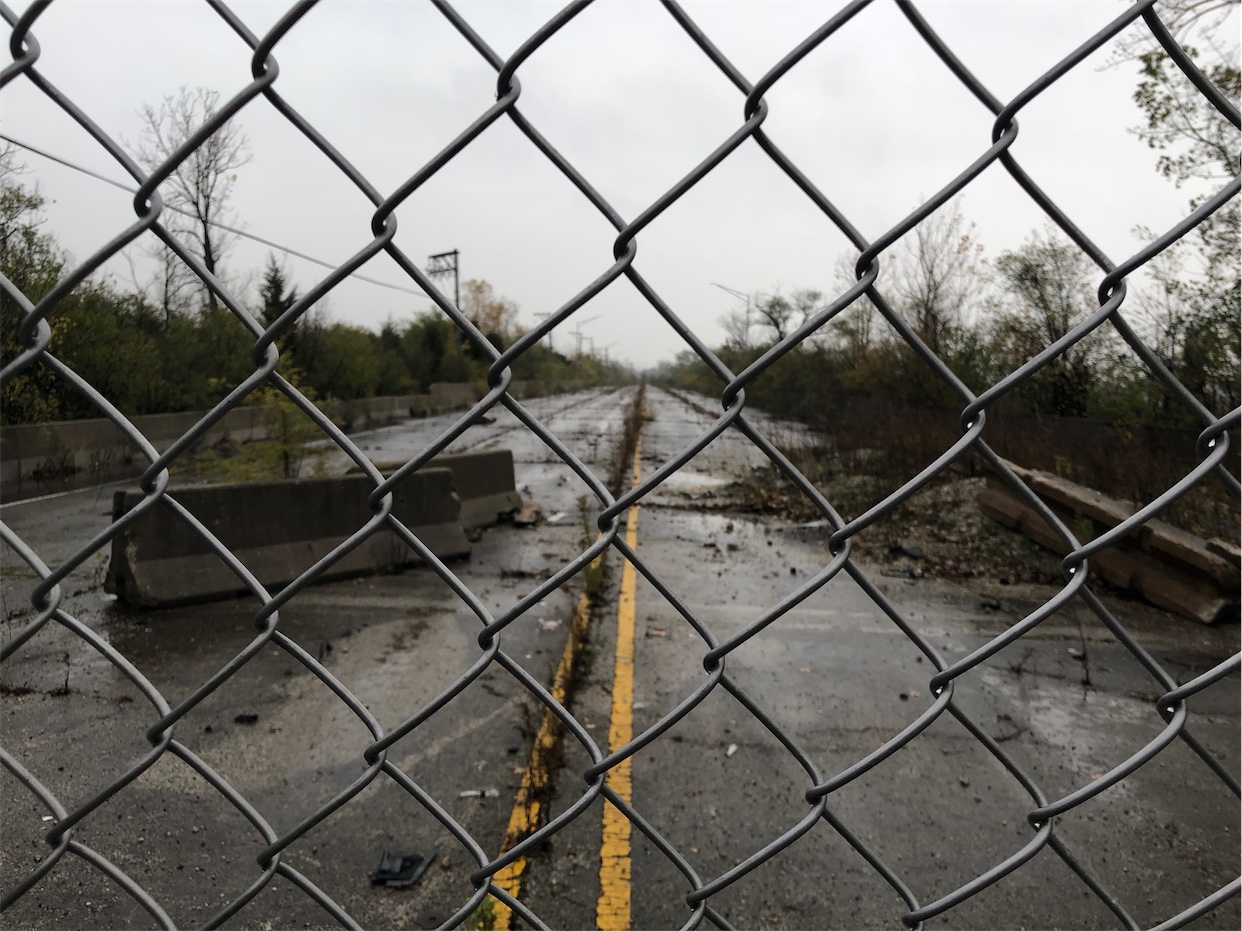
277,530
1171,568
484,482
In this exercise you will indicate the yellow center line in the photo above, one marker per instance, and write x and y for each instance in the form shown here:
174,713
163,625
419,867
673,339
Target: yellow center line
527,807
612,911
524,820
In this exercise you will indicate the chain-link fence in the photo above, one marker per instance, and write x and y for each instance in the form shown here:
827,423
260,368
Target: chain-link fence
67,852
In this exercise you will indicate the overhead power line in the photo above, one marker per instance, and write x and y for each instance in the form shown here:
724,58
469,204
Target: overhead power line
228,229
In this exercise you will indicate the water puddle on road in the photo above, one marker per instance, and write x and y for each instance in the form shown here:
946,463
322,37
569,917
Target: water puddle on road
1094,730
686,481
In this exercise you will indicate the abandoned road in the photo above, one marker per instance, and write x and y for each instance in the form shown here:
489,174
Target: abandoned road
835,673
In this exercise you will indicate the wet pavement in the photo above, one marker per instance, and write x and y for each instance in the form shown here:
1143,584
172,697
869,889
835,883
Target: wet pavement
835,673
840,679
276,732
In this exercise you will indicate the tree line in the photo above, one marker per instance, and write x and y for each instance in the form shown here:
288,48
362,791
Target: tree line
986,318
148,359
167,343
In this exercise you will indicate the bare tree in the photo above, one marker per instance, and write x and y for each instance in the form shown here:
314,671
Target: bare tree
775,312
1164,306
1046,291
807,302
936,277
200,186
782,315
171,287
854,328
1183,18
1193,314
736,325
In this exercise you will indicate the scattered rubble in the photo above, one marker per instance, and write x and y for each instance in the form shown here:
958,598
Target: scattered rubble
528,514
479,793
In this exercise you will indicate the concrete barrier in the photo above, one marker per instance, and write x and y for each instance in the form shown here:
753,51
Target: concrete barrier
483,481
1171,568
38,452
452,396
368,413
277,530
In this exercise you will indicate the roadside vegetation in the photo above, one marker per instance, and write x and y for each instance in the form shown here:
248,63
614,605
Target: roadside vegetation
164,342
149,358
1097,414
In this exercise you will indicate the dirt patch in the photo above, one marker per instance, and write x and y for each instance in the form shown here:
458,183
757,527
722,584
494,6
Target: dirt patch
407,634
939,531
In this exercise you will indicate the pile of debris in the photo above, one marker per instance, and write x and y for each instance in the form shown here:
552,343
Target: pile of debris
1171,568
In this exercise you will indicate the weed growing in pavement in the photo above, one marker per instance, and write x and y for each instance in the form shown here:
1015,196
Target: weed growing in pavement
594,580
634,418
594,576
483,918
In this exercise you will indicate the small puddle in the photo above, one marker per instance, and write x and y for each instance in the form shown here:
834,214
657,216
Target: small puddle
686,481
1094,730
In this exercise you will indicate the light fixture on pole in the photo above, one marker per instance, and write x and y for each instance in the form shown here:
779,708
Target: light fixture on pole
443,265
545,317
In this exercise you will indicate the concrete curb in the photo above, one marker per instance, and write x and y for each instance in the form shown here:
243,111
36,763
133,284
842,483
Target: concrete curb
33,453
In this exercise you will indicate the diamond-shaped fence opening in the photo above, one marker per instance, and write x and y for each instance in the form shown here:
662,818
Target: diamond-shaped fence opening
274,844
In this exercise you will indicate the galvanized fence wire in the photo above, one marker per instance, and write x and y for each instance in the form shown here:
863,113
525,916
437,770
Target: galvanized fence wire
35,331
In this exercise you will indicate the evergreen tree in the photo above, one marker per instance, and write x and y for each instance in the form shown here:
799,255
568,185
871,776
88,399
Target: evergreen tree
275,295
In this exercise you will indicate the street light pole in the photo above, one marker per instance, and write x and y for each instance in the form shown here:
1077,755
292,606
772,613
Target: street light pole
544,317
443,265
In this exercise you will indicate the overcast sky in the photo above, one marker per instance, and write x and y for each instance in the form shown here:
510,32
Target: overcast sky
872,116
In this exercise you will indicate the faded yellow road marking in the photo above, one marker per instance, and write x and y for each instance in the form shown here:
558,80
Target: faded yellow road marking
527,807
612,911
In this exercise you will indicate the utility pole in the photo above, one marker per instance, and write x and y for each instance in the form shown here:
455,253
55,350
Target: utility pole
441,266
544,317
746,298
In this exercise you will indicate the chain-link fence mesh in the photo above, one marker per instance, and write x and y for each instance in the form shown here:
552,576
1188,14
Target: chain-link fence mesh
1173,706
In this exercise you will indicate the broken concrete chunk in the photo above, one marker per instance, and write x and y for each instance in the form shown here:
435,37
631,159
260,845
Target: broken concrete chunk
528,514
398,870
1171,568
